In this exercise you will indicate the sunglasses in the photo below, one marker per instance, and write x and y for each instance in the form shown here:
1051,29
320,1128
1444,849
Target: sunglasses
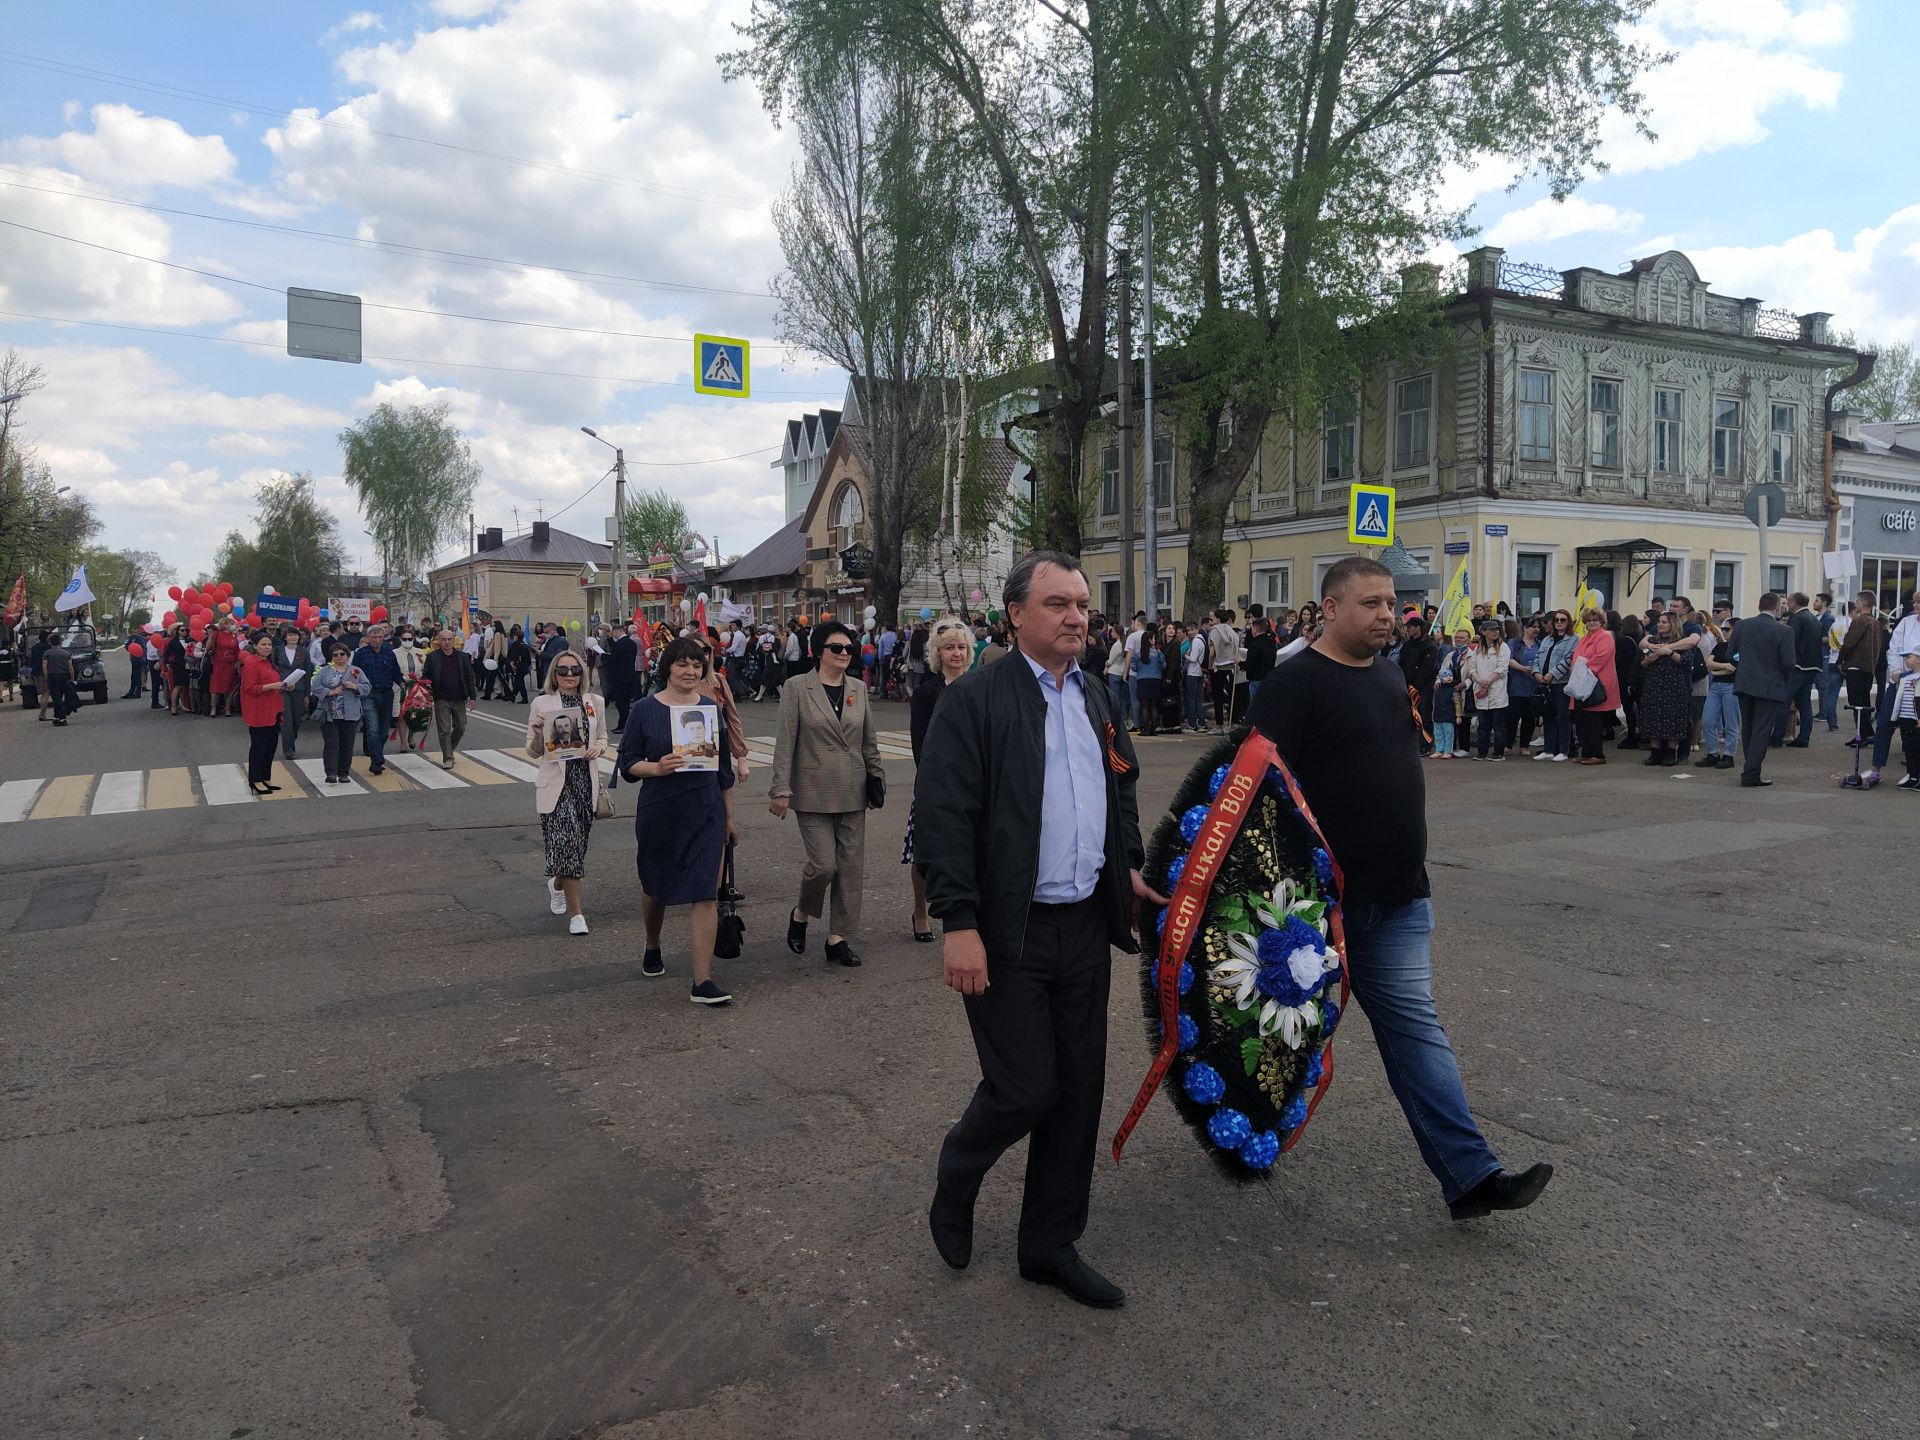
568,670
838,649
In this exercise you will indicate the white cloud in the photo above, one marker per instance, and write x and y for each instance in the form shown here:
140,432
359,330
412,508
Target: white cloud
132,151
1823,22
1870,286
360,22
1549,219
1715,96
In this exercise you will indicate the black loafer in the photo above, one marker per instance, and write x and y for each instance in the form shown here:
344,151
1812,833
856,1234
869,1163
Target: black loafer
952,1227
796,935
1502,1190
841,953
1081,1282
1754,784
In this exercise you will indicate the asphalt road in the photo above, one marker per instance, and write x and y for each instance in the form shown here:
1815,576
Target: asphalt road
316,1124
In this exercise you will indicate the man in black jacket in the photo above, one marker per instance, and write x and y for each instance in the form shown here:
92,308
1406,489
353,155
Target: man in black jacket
617,684
1809,658
449,674
1420,664
1026,827
1763,651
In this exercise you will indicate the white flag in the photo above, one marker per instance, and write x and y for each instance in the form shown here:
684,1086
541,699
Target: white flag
77,592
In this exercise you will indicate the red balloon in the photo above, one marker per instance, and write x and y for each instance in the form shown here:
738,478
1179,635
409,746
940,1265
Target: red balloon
379,612
166,620
226,590
173,592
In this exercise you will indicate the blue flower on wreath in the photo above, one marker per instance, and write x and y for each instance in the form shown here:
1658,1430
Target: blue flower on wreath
1204,1084
1277,982
1186,976
1191,822
1189,1031
1160,924
1329,1017
1215,781
1323,867
1261,1151
1299,933
1229,1129
1295,1115
1314,1066
1175,871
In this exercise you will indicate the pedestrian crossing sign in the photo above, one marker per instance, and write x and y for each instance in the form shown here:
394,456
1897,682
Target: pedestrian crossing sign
1370,515
720,366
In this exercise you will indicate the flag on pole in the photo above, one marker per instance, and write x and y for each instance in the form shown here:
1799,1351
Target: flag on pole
1584,599
77,593
700,616
17,602
466,626
1456,605
643,662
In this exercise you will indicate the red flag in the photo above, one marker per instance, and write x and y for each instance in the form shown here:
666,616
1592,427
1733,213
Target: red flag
17,602
645,636
700,616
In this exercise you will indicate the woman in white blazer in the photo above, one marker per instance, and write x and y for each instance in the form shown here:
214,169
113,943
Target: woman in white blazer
567,734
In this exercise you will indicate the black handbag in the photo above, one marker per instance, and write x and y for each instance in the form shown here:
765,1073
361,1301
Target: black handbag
731,929
876,792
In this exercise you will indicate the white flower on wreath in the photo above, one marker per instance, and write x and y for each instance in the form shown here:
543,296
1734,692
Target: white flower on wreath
1292,1022
1240,969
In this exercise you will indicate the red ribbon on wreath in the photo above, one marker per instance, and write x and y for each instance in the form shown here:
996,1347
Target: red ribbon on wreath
1187,909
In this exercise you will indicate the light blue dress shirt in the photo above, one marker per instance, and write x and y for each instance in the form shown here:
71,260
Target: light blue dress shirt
1073,797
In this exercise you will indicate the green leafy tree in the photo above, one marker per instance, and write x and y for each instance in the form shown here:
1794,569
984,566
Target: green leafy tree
1892,391
1298,163
44,527
298,549
654,517
414,475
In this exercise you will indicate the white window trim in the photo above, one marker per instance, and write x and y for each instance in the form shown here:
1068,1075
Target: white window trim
1791,567
1792,434
1680,587
1270,567
1551,550
1655,420
1737,559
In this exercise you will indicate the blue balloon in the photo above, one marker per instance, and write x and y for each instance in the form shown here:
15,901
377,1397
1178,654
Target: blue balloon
926,612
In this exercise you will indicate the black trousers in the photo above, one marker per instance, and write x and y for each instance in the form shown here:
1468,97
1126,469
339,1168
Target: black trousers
1041,1033
1222,698
1757,719
261,740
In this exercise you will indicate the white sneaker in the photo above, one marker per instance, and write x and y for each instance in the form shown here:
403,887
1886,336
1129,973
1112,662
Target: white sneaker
556,899
577,925
1538,742
1559,757
1543,755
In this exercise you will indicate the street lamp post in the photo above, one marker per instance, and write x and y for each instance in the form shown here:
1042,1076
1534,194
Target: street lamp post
619,522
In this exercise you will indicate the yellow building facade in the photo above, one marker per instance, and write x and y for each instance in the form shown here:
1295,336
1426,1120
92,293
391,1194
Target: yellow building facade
1587,428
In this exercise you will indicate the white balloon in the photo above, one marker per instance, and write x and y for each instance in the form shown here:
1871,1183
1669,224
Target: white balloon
870,612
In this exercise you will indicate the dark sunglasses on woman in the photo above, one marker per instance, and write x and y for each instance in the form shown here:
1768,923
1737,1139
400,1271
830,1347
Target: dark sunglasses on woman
839,649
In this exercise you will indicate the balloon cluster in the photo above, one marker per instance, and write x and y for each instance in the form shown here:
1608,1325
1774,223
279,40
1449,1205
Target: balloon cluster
198,606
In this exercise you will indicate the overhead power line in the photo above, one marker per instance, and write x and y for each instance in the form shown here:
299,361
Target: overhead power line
388,359
392,247
369,304
284,115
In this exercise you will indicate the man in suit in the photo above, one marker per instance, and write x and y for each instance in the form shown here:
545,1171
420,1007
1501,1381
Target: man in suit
620,680
1026,827
1763,651
1809,657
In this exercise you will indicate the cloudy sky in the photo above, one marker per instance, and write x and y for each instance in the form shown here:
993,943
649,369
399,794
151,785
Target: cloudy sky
618,158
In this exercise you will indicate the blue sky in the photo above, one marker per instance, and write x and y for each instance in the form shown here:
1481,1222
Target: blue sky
1779,169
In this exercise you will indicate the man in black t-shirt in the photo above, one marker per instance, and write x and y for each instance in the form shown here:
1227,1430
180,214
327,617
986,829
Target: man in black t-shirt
1340,718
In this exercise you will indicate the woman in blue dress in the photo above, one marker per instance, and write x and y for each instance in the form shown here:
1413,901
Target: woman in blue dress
684,817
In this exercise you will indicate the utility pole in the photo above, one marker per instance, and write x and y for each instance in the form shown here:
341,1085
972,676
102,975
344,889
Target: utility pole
1152,606
621,605
1127,592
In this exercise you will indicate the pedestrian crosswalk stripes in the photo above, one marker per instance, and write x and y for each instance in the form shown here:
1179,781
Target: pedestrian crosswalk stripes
125,792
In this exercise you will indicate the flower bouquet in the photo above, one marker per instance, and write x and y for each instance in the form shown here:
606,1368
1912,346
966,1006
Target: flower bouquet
1248,980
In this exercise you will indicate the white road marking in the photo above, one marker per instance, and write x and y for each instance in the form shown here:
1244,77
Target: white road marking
316,773
425,772
118,792
511,766
224,785
17,797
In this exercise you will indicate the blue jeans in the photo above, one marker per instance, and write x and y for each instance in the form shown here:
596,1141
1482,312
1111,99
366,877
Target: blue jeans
376,720
1122,695
1720,727
1884,724
1192,709
1390,961
1830,695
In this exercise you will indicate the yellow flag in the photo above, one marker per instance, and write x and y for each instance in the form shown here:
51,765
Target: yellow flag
1583,600
1456,605
465,629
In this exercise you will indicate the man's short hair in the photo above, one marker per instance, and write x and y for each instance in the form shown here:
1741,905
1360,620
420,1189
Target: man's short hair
1769,602
1824,598
1020,578
1796,599
1682,600
1343,573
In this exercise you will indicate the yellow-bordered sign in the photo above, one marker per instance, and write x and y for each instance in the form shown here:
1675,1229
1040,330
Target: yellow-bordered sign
720,366
1370,515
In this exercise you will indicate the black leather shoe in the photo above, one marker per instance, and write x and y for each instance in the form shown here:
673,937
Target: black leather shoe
1081,1282
796,934
1796,744
952,1227
1502,1190
841,953
1745,783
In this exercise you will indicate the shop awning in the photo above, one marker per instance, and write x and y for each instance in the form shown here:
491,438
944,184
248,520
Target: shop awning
1637,555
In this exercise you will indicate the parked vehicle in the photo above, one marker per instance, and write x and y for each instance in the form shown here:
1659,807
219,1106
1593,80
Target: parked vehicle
89,674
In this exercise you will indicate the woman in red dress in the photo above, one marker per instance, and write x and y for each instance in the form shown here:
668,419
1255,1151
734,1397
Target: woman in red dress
260,705
223,654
